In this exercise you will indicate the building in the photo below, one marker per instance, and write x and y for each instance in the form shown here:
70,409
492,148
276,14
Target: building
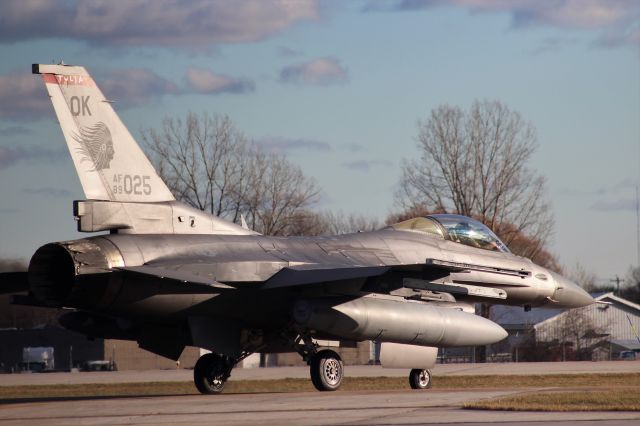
596,332
74,350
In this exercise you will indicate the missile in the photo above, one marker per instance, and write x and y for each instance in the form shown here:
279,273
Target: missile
408,322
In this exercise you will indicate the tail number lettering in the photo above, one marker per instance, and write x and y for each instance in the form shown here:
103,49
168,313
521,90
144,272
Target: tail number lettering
79,105
131,184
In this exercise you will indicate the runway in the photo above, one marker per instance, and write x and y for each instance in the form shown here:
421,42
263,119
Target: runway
306,408
309,408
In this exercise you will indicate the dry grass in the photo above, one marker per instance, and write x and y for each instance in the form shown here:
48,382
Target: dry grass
629,382
601,400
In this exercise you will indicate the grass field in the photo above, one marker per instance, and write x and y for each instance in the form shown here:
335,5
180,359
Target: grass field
596,400
562,392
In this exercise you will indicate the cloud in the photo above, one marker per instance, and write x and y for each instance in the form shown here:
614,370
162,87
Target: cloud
624,186
616,18
287,52
622,204
11,156
134,86
366,165
352,147
318,72
205,81
550,44
190,23
14,131
288,145
48,192
23,97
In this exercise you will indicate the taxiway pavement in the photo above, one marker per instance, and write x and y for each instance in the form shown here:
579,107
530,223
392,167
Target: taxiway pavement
307,408
296,409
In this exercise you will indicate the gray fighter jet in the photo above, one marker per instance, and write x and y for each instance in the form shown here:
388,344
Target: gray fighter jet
169,276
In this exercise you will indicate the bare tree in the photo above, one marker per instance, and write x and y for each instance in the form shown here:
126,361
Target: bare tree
475,163
345,223
209,164
584,278
278,194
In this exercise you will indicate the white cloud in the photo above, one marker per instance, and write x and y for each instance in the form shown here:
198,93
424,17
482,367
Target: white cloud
318,72
616,19
23,97
189,23
205,81
134,86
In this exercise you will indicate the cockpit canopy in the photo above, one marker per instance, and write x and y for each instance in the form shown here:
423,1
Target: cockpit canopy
457,228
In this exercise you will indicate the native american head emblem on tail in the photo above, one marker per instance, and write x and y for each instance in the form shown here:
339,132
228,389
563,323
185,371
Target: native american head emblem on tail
96,145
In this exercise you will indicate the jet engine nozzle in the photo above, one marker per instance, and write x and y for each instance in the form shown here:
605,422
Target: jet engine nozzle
568,294
56,269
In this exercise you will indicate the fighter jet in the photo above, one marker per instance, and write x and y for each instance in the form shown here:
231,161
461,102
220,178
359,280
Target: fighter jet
169,276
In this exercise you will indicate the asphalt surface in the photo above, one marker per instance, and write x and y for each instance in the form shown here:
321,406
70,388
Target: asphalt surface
307,408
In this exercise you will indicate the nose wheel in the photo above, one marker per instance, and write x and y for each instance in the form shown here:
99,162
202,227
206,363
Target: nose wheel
327,370
420,379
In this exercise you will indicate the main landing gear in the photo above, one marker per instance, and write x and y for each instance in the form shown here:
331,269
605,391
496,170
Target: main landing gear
327,370
325,366
211,372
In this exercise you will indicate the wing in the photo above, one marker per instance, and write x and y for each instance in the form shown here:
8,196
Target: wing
415,277
317,274
186,278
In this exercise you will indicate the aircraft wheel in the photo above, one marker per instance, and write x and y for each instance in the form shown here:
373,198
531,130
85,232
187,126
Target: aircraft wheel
210,374
326,370
420,379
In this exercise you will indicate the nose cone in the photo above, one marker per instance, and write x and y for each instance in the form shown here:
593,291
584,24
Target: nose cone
569,295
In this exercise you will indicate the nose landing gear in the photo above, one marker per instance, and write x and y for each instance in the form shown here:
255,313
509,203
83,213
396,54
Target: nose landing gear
420,379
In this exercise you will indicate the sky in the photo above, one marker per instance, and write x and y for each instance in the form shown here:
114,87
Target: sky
339,87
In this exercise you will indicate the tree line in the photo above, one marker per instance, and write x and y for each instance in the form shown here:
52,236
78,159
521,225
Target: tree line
472,162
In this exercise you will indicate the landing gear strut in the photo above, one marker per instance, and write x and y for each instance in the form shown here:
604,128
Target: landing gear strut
420,379
211,373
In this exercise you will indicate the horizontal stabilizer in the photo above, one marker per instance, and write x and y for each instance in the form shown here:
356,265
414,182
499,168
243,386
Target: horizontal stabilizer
306,274
185,277
14,282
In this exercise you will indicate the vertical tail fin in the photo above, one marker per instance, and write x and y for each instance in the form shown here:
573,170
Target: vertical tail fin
109,162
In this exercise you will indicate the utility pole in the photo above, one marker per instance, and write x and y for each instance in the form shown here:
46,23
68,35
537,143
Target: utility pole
617,280
638,226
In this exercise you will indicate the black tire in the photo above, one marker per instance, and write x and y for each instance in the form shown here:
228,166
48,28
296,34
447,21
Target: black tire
209,374
420,379
327,370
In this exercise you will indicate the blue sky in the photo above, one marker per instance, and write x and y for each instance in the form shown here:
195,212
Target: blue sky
339,87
